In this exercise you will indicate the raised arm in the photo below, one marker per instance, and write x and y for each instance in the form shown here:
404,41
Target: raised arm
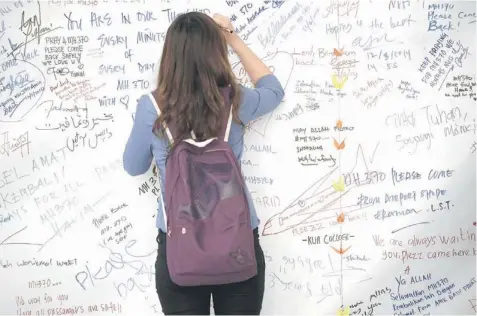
253,65
266,96
137,155
268,92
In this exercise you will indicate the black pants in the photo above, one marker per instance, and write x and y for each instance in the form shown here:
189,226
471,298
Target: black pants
243,298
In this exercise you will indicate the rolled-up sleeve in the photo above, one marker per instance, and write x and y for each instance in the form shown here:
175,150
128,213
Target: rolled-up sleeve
264,98
137,156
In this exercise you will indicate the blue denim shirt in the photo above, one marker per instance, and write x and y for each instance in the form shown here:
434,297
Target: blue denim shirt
143,145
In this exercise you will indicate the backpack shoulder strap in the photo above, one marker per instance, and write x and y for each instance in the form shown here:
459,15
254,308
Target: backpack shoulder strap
158,110
169,135
228,126
227,115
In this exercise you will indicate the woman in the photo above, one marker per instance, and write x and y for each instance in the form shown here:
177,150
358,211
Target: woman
194,67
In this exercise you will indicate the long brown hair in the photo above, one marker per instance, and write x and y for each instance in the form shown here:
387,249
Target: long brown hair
194,66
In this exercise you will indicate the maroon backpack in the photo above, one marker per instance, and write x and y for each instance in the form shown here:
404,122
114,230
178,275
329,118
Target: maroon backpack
209,236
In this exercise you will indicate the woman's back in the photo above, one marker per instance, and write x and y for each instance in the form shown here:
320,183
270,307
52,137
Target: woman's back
255,103
189,101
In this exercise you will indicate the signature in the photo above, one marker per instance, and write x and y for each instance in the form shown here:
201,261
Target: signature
32,29
50,106
367,44
9,109
464,51
342,9
21,143
31,25
20,80
61,71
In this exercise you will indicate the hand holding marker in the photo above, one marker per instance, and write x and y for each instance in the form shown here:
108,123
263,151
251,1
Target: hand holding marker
223,22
